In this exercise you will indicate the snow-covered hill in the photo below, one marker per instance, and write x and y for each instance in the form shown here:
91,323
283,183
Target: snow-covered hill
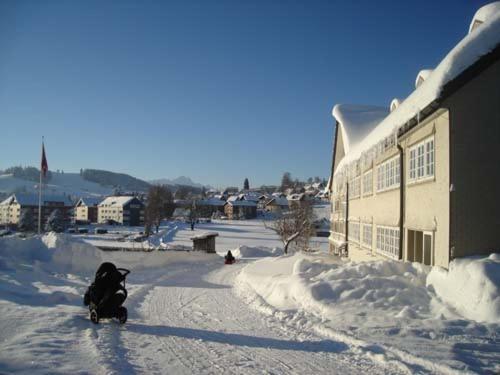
60,183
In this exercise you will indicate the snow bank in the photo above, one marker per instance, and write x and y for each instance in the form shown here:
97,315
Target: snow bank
255,252
370,293
331,290
68,254
471,286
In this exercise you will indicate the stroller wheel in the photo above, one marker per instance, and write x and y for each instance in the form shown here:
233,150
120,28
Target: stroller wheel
94,317
122,315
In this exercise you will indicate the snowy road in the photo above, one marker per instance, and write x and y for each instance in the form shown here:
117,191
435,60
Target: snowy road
190,321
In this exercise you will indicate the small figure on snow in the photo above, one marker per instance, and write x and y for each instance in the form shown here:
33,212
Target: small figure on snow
192,224
229,258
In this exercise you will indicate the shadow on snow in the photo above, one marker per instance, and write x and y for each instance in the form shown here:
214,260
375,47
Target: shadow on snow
327,346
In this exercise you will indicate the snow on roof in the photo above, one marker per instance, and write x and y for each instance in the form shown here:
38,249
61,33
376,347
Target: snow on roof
394,104
211,202
27,199
295,197
116,201
205,235
233,198
356,121
89,201
422,76
242,203
484,14
279,201
474,45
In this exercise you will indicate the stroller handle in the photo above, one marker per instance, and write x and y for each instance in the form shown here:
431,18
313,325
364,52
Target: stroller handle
123,271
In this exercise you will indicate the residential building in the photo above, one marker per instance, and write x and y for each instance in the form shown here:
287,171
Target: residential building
86,210
296,200
207,207
276,205
12,207
421,183
240,209
126,210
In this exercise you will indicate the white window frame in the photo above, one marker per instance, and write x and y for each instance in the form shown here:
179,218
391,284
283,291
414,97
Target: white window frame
368,182
365,226
387,241
354,228
388,174
422,161
355,188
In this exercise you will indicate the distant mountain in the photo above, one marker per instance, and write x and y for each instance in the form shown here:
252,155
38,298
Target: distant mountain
180,181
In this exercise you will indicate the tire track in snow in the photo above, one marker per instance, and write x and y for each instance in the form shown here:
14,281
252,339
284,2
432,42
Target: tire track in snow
197,325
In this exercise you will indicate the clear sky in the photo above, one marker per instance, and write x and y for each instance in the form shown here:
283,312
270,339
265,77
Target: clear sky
215,90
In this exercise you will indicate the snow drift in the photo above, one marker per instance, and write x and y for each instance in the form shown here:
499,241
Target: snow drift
255,252
370,293
471,286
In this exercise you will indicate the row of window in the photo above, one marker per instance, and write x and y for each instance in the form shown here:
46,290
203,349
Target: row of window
387,241
421,166
422,160
388,174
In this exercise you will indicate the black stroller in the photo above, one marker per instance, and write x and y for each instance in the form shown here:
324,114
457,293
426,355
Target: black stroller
106,294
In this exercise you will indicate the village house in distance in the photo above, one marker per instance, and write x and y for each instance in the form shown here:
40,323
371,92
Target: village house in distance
126,210
86,210
12,207
420,183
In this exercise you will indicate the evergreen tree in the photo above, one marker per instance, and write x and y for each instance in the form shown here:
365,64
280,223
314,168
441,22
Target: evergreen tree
26,221
246,184
286,181
55,222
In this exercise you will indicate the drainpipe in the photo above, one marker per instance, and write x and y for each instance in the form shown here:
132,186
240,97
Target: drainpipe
401,199
347,218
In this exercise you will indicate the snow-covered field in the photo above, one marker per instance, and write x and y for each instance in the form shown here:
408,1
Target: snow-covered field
188,313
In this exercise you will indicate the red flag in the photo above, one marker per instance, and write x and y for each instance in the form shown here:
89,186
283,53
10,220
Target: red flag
44,166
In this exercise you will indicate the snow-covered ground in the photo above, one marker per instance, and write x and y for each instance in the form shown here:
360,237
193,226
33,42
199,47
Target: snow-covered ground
187,316
394,312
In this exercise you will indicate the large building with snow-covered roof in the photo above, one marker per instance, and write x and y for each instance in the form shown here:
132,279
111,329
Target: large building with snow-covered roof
420,183
86,209
12,207
126,210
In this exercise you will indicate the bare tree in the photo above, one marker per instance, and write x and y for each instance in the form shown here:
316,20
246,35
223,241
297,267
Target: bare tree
160,205
295,226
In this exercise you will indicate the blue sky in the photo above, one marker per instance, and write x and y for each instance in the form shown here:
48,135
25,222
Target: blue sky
214,90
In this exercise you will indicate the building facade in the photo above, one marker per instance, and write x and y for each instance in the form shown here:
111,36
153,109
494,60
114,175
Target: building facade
126,210
12,207
240,209
86,210
420,183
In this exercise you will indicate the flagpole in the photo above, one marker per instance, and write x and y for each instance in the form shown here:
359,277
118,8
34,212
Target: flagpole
40,200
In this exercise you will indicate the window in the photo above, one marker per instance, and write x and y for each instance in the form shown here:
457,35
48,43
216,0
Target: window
388,241
388,174
354,188
368,183
422,160
354,231
367,235
419,247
